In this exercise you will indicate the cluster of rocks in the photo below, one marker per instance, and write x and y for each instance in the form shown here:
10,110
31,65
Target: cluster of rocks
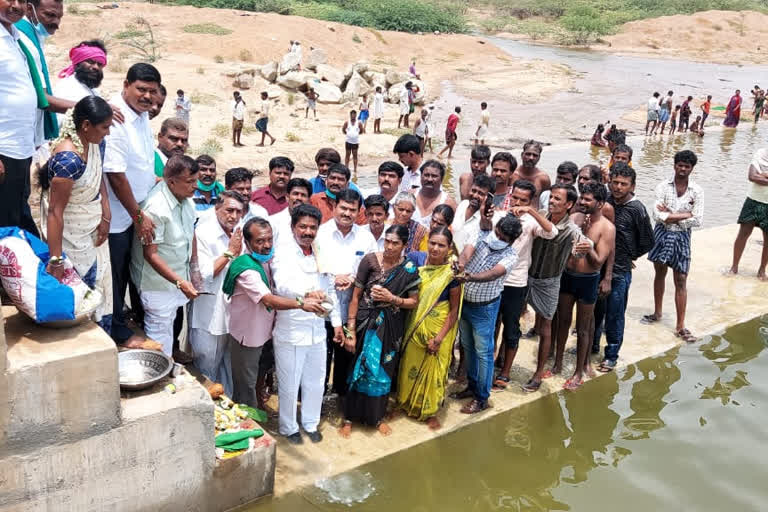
331,84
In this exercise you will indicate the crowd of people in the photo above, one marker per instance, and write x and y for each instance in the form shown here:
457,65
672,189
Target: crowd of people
318,286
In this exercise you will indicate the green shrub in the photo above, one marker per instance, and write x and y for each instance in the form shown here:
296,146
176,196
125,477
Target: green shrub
218,59
206,28
210,147
584,23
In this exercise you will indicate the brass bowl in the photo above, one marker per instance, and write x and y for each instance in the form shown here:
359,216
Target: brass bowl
140,369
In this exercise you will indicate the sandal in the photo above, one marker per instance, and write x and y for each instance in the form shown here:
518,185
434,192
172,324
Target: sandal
474,406
650,319
501,383
606,366
686,335
531,386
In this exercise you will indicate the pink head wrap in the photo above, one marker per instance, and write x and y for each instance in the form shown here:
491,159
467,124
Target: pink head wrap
82,53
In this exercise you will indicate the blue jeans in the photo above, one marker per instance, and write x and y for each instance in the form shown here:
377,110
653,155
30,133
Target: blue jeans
476,329
616,307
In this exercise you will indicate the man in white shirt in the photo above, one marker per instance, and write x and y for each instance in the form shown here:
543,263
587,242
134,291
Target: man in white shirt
341,244
84,74
128,165
653,113
238,118
262,123
18,110
299,191
183,106
377,211
408,149
218,243
299,336
466,222
515,291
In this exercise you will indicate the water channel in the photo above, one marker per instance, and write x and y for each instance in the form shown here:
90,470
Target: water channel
683,430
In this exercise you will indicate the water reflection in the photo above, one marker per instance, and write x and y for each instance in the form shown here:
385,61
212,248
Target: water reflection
661,423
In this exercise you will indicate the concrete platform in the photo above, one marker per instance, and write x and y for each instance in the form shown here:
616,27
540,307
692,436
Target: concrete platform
715,301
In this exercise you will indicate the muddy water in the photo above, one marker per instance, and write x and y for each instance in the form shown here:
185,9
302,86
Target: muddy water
681,431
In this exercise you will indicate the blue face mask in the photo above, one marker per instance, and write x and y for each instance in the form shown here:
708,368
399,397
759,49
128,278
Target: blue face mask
40,30
494,243
263,258
330,194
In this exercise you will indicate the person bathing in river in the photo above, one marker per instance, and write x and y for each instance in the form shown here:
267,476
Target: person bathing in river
597,137
479,159
685,115
679,207
579,283
673,120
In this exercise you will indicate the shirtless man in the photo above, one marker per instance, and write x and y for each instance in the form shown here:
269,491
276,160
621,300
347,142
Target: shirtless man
431,192
528,170
581,279
478,164
591,173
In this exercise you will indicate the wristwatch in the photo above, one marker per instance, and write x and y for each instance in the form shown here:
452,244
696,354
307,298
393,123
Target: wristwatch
228,255
56,260
300,302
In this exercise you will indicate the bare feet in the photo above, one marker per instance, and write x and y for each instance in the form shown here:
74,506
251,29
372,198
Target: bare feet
433,423
761,276
273,141
384,429
345,430
734,270
556,370
591,373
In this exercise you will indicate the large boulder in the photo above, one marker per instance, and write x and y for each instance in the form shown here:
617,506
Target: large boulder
358,67
239,70
393,94
269,71
395,77
330,74
316,57
289,63
356,86
328,93
293,79
376,79
243,81
273,92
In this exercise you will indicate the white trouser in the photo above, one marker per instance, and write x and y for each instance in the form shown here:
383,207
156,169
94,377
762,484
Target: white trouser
159,313
212,357
300,367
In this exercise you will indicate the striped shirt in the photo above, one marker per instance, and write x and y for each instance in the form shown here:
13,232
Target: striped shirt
485,259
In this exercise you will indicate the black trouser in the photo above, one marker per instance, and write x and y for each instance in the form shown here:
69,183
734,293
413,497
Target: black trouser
342,360
14,195
600,308
120,258
512,303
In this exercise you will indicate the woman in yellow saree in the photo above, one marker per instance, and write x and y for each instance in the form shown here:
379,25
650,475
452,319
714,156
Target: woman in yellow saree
430,332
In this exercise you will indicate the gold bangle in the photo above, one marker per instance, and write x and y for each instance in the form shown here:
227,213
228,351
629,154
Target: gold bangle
178,284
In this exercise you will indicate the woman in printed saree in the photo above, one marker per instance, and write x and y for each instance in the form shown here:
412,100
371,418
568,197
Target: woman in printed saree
386,285
430,332
404,206
74,208
733,111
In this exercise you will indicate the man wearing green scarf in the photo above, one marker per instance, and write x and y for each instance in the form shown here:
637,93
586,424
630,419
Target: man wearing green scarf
208,189
173,139
248,283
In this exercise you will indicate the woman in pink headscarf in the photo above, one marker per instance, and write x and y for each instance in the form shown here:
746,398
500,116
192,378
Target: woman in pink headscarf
733,111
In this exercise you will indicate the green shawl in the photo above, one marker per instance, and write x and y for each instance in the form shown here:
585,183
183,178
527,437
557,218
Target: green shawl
51,124
237,267
159,165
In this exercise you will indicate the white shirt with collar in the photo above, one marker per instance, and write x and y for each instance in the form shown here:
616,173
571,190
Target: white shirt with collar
380,240
18,99
281,225
339,254
295,275
211,312
130,150
72,89
466,231
39,114
411,181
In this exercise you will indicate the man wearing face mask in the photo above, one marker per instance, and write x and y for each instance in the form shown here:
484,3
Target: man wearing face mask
483,266
248,282
218,243
84,74
208,189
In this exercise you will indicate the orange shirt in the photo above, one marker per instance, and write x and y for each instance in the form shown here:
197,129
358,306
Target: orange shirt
705,106
326,205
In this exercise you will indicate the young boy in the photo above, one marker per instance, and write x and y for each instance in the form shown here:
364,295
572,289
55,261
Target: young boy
311,96
673,120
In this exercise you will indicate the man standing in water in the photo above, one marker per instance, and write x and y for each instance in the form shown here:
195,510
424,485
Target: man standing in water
479,159
482,128
581,278
528,170
653,113
754,212
666,111
634,237
679,208
548,259
450,132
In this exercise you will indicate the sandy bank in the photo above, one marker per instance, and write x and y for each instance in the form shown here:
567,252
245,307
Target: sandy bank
715,301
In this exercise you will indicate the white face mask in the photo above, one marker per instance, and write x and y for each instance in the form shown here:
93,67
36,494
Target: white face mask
494,243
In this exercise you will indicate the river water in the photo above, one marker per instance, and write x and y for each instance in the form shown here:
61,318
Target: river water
684,430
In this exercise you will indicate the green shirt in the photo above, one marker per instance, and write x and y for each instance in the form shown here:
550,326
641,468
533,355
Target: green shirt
174,232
